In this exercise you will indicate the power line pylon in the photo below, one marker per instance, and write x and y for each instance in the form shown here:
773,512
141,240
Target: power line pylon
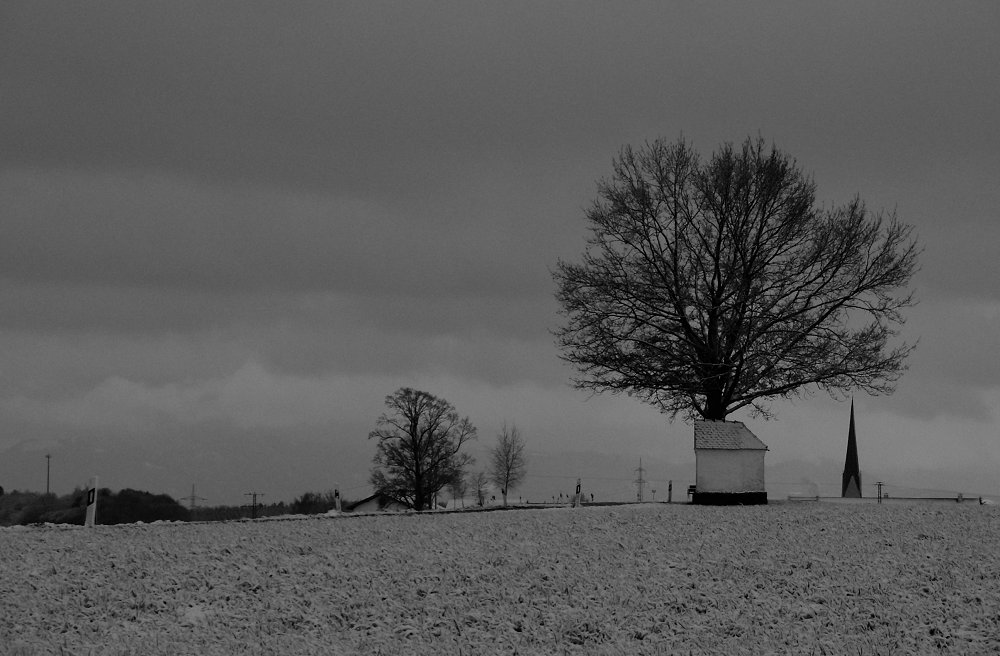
193,499
253,507
640,482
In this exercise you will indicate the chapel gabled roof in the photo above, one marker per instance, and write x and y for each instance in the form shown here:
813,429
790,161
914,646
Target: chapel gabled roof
732,435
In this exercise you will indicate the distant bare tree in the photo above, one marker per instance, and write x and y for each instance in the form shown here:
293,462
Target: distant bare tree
418,447
479,483
507,461
458,487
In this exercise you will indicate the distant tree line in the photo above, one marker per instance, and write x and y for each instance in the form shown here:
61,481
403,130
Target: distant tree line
129,506
123,507
226,513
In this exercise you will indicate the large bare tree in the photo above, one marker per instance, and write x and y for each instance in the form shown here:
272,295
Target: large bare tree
711,286
419,439
507,461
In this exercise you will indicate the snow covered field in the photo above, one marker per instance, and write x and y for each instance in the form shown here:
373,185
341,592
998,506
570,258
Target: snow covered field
796,578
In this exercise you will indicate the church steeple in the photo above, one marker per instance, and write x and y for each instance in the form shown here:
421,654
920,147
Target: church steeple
852,473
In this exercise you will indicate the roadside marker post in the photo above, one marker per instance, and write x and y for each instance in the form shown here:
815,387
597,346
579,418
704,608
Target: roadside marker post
336,498
91,503
576,497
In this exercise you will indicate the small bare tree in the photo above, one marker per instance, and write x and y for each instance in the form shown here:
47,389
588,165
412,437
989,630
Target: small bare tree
479,483
458,488
507,461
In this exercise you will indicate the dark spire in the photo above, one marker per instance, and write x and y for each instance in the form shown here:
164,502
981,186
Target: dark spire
852,473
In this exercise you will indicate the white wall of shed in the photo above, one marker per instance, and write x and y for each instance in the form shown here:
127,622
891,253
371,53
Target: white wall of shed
725,470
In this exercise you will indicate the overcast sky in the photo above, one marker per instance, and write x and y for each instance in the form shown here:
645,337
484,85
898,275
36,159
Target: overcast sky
235,227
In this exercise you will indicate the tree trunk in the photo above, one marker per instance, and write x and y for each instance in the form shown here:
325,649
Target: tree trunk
419,494
715,406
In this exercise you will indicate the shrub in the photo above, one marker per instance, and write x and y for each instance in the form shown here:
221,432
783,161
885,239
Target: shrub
316,503
129,506
126,506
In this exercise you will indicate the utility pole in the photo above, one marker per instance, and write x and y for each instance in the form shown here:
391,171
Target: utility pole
640,481
253,507
48,462
192,499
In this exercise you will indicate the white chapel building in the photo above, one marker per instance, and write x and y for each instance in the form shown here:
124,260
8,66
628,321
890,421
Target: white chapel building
729,464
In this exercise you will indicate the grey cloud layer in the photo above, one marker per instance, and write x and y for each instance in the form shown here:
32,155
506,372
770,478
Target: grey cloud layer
355,94
409,122
207,199
136,230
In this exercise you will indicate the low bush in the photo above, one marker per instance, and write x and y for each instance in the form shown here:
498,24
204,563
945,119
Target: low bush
125,507
316,503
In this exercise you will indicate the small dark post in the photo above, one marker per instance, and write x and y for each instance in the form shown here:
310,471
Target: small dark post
48,461
670,491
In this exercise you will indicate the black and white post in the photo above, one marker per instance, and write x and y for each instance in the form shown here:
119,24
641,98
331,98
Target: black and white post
91,503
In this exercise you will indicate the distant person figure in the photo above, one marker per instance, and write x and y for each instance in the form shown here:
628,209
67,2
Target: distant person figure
591,497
